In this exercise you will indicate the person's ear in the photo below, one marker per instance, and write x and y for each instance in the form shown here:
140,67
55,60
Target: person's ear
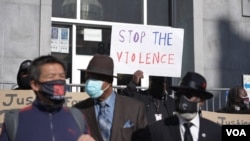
34,85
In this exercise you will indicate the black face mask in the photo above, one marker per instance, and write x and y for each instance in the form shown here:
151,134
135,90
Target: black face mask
24,82
55,91
183,105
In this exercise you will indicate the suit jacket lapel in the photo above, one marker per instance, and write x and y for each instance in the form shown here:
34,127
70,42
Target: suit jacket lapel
92,122
202,131
175,129
116,118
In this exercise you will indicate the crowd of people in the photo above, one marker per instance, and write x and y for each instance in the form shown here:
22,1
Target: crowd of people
131,115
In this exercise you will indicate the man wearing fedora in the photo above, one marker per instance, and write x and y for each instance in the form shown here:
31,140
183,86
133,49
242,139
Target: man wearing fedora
186,124
110,117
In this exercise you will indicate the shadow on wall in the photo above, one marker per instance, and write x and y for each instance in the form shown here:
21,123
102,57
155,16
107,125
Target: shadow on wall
233,47
234,52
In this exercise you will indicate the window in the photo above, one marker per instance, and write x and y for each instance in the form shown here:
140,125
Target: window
86,47
64,8
159,12
65,57
126,11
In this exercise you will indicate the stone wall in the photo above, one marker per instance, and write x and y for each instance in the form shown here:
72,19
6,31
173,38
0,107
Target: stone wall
24,34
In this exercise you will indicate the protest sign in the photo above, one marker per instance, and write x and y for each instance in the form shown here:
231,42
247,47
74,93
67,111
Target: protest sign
156,50
246,83
227,119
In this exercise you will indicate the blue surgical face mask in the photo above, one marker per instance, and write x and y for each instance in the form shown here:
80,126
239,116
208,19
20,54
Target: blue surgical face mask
94,88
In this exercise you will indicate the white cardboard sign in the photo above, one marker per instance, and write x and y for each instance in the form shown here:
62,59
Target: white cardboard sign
156,50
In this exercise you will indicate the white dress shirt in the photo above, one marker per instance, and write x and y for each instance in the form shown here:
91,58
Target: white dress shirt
194,129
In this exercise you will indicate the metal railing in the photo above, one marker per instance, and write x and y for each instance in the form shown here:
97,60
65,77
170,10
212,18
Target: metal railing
218,101
213,104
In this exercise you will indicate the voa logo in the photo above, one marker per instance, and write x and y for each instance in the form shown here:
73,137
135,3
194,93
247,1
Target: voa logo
236,132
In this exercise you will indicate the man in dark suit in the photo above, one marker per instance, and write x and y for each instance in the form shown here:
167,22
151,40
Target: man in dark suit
158,103
121,115
187,123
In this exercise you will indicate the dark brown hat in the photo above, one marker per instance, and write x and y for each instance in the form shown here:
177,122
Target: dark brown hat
193,83
101,64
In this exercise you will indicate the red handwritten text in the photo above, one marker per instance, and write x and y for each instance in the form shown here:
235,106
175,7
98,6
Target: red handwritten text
145,58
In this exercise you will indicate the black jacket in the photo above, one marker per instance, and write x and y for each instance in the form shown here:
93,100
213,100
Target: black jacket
168,130
164,106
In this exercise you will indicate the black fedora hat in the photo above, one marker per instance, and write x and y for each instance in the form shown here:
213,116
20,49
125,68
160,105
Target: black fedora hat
193,83
101,64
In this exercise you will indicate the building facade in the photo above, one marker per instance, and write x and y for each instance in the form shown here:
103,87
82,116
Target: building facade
216,34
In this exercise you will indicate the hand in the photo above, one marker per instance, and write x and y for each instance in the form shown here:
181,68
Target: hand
85,137
138,75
